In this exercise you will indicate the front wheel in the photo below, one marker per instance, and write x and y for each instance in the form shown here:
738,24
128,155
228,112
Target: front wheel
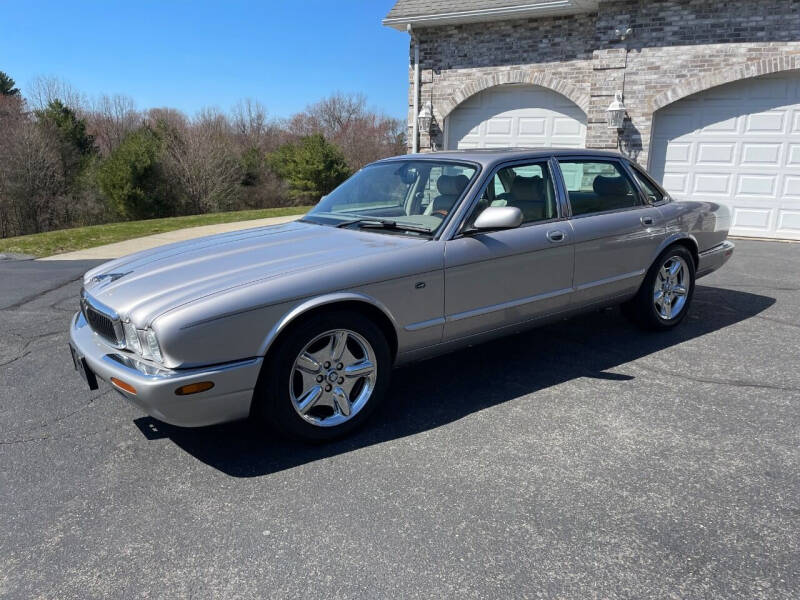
325,377
666,293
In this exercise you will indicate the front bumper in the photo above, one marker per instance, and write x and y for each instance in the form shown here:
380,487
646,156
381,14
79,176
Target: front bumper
155,386
713,258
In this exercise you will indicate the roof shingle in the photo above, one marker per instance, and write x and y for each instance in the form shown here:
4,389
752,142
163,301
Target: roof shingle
432,12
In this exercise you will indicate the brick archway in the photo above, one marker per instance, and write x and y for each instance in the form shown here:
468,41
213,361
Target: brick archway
520,76
700,83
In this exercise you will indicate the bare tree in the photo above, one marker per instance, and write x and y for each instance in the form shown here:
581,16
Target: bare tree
165,117
363,134
43,90
32,182
111,119
254,129
202,159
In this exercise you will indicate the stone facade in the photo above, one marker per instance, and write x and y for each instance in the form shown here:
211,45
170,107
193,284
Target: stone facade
676,48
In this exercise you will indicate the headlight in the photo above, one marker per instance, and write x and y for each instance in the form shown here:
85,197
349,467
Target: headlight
142,341
131,338
151,348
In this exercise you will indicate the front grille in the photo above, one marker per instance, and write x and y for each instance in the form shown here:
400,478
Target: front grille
102,324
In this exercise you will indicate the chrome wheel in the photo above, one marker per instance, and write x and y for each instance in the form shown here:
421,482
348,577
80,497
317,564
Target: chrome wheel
671,288
333,377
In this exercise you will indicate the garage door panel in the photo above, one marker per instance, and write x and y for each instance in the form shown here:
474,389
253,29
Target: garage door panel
716,154
793,155
729,126
679,153
567,126
516,116
789,222
676,183
761,154
756,185
754,219
766,122
737,144
791,187
532,125
712,184
499,126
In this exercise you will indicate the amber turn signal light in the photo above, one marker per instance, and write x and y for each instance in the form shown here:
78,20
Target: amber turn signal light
123,386
194,388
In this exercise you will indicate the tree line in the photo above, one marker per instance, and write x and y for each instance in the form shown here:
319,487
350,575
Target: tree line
66,161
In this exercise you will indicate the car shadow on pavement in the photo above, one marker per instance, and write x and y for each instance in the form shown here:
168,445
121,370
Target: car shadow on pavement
433,393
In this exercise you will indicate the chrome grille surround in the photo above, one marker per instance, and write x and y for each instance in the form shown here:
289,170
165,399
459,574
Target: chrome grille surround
104,321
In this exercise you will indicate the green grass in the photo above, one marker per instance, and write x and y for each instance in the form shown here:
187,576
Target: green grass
79,238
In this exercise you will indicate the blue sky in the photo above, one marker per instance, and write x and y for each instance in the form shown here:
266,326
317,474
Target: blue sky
190,55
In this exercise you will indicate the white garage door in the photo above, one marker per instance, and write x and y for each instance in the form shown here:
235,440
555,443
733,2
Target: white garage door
516,115
737,144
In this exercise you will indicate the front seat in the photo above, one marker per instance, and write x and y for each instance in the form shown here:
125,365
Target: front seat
527,194
450,189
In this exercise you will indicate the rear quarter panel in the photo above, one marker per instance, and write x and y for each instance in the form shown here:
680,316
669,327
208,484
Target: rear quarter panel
707,223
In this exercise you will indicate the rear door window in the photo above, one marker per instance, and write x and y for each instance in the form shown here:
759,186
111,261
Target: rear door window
597,186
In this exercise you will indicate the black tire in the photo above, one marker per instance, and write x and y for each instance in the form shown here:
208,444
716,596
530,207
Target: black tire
642,308
273,403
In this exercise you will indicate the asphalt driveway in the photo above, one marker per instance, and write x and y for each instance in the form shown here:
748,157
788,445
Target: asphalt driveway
583,460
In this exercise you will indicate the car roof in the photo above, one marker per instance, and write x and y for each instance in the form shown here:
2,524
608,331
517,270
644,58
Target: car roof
488,157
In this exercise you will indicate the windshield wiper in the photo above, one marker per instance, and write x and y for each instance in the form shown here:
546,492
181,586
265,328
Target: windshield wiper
384,224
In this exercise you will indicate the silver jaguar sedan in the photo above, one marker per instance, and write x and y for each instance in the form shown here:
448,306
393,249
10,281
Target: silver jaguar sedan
300,325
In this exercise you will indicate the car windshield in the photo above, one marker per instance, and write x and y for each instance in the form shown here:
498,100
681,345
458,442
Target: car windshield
411,197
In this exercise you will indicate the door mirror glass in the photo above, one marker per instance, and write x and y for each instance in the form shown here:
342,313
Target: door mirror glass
499,217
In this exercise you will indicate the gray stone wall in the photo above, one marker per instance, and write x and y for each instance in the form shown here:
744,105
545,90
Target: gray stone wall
677,47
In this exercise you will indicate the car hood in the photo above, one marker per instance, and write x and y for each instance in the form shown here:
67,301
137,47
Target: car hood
144,285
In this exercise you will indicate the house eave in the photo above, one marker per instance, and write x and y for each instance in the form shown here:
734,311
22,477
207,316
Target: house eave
537,9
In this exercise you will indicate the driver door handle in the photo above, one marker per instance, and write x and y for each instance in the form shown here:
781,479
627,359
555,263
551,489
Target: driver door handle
556,235
647,220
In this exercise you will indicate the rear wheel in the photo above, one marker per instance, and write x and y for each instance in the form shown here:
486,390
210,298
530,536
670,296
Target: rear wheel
666,293
325,376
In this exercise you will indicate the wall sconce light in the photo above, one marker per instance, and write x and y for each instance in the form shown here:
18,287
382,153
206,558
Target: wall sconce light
425,118
616,113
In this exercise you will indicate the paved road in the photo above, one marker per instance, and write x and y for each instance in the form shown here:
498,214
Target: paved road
583,460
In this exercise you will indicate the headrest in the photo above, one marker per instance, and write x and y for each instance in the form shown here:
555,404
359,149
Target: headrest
527,189
452,185
610,186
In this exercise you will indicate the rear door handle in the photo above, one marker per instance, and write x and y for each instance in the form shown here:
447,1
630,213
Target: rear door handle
647,220
556,235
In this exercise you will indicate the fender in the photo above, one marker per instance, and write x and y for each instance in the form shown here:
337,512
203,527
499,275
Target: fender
673,237
316,302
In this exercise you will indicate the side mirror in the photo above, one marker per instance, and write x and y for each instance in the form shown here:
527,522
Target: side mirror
498,217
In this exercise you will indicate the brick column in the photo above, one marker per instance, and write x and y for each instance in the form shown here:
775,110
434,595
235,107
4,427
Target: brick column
608,76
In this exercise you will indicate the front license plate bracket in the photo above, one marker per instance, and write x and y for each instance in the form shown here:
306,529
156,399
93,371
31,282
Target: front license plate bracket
83,369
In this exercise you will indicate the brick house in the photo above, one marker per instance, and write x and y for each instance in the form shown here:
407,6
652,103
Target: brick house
711,89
